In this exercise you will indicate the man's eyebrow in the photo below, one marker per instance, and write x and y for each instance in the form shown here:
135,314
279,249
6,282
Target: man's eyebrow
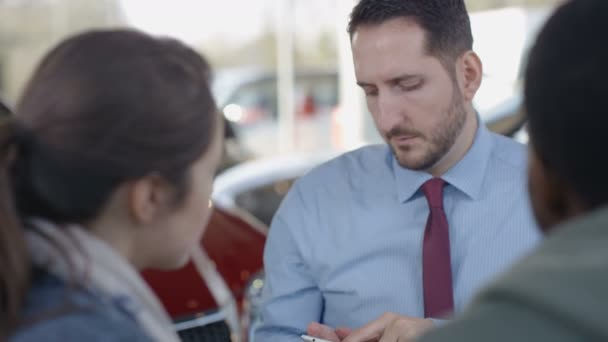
404,77
400,78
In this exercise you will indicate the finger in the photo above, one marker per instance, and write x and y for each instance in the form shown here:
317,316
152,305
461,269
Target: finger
392,334
322,331
401,330
343,332
371,331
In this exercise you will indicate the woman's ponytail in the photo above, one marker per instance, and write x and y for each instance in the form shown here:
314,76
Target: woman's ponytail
14,257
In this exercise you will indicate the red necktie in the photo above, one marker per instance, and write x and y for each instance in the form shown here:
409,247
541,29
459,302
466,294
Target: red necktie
436,266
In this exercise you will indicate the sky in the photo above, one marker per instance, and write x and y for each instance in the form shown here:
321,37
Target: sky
237,21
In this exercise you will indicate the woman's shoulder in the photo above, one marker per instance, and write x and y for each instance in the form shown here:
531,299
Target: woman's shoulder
55,311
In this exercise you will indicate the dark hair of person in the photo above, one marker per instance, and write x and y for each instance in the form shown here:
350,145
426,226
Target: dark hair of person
446,23
566,97
101,109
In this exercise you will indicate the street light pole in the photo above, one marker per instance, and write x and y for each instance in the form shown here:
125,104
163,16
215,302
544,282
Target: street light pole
351,116
285,74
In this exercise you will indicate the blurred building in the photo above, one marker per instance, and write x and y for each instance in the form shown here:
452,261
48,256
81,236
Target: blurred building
28,28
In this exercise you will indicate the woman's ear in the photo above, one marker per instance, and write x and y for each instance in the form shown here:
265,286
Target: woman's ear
148,198
470,70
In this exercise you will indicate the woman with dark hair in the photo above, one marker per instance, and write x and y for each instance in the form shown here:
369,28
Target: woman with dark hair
105,169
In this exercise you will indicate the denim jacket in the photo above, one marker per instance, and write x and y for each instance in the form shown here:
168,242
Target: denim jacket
55,312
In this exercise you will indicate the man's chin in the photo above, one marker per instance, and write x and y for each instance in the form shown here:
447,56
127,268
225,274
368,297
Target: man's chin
417,164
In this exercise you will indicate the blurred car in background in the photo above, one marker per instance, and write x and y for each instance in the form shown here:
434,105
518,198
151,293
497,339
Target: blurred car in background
248,96
508,117
248,99
206,297
522,135
258,186
234,151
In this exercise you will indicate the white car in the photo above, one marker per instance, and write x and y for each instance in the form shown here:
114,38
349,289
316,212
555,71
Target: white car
258,186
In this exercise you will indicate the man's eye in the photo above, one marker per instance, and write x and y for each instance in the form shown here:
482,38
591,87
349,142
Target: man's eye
370,92
410,86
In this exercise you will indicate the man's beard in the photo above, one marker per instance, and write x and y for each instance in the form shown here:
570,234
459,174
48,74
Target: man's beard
441,139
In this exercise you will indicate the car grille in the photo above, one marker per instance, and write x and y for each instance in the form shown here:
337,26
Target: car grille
213,332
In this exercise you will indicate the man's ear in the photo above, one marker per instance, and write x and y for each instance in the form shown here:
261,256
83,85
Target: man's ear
148,198
470,73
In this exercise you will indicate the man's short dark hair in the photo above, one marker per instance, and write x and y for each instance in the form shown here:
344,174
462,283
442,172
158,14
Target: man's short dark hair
566,97
446,22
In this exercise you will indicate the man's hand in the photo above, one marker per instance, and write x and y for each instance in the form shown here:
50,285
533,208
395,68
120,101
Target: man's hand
390,328
327,333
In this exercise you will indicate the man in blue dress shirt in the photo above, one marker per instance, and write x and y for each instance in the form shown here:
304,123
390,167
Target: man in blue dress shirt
557,293
363,235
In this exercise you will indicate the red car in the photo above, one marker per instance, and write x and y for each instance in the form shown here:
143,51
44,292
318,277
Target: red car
206,297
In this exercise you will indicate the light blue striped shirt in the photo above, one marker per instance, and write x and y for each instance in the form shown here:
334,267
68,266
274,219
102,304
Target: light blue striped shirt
346,244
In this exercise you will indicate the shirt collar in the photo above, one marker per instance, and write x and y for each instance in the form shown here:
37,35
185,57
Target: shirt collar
467,175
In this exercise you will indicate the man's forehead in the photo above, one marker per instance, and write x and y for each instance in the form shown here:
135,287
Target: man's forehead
396,25
397,39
